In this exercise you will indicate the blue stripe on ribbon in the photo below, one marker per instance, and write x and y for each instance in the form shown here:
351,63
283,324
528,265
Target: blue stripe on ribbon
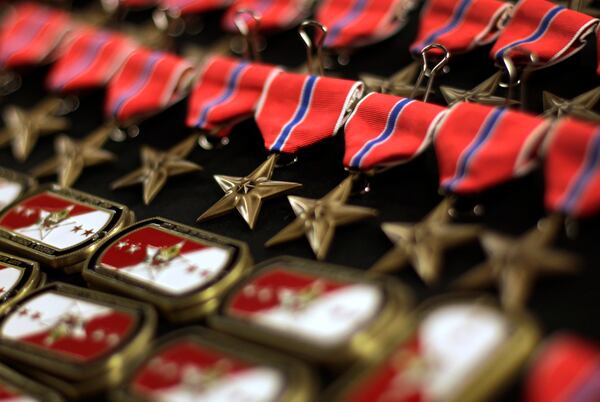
592,163
456,19
85,61
305,98
589,390
26,34
336,29
484,134
232,83
387,132
138,84
538,33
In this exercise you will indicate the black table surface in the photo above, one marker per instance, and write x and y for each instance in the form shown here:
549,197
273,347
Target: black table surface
404,193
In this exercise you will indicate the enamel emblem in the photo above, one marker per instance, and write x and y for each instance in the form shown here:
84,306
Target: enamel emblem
288,302
70,334
178,268
59,227
198,364
456,343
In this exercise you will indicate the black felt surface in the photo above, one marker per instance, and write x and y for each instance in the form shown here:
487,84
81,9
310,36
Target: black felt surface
406,192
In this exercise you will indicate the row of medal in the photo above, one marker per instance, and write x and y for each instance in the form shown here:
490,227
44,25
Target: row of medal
79,341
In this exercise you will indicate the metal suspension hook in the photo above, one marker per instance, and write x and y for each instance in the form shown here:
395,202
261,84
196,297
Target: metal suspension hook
511,69
533,61
431,73
248,23
314,45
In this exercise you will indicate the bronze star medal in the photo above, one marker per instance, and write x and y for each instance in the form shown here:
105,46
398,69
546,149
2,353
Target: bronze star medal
158,166
399,84
73,156
423,244
317,219
24,127
482,93
580,106
515,263
247,193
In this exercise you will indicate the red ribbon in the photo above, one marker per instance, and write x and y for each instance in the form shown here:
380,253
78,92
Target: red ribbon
275,15
572,168
89,60
385,130
29,35
226,92
460,25
567,369
298,110
148,83
550,31
352,23
479,147
186,7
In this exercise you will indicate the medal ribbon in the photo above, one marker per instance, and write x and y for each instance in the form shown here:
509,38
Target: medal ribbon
478,147
385,130
226,92
568,369
297,110
186,7
572,168
89,60
460,25
30,34
353,23
275,15
550,31
148,83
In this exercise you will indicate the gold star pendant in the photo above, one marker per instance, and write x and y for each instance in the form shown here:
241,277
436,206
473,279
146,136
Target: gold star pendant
317,219
399,84
24,127
580,106
73,156
515,263
247,193
158,166
423,244
482,93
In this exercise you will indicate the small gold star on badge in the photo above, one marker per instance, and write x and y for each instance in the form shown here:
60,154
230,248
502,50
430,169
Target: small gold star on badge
247,193
482,93
24,127
158,166
73,156
424,243
580,106
516,262
399,84
317,219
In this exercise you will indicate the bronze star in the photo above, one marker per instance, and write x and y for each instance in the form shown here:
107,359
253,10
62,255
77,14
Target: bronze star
158,166
247,193
23,127
482,93
580,106
515,263
73,156
423,244
317,219
399,84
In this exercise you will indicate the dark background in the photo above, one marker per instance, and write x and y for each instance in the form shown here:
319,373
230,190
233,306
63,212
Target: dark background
404,193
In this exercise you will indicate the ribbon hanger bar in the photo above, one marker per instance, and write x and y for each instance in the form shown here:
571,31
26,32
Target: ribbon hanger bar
428,72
